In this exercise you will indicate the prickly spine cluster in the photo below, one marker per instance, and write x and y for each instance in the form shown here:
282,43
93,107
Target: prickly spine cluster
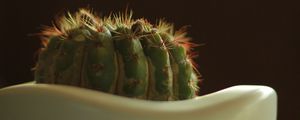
119,55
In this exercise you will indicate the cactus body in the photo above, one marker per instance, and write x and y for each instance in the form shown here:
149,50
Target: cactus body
117,55
133,80
184,76
161,75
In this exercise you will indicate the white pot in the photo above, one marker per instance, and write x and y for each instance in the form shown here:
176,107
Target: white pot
54,102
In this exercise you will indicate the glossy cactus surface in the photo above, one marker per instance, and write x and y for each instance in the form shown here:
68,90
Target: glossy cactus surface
119,55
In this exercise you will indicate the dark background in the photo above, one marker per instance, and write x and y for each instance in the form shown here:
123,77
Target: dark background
253,42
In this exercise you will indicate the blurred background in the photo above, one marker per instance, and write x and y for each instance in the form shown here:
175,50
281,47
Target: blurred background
252,42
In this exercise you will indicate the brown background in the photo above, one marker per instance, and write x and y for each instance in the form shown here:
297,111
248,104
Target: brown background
246,41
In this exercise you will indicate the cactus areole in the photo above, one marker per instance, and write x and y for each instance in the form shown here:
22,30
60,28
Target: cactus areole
119,55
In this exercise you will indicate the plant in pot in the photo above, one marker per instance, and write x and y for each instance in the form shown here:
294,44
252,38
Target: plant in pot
129,58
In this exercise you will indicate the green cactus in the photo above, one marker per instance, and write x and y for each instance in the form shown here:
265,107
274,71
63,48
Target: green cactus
118,55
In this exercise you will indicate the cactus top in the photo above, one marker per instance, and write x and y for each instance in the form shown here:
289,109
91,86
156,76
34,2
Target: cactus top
119,55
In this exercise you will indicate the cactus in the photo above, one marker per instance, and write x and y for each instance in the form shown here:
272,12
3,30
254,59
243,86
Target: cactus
118,55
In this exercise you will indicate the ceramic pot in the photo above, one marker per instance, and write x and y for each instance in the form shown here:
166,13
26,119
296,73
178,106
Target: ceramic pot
56,102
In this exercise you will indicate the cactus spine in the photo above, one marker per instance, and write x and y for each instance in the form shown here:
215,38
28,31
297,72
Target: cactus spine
118,55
